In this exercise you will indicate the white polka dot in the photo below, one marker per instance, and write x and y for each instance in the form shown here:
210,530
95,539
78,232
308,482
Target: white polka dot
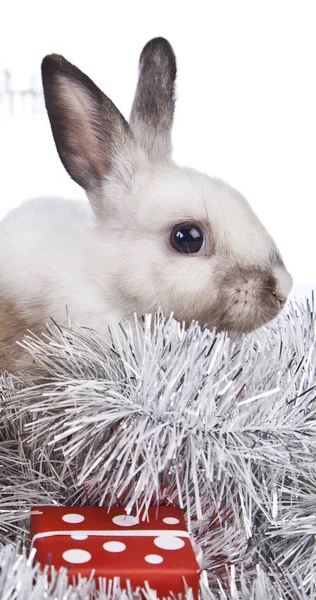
169,542
73,518
76,556
79,536
114,546
125,520
171,520
153,559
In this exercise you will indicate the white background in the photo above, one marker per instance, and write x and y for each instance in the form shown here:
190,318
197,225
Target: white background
246,98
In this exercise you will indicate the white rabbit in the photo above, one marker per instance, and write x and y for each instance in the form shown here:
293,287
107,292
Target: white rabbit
154,234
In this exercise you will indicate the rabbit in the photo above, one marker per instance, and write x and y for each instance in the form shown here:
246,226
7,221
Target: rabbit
151,235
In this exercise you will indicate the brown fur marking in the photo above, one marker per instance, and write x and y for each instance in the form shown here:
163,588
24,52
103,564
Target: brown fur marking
13,327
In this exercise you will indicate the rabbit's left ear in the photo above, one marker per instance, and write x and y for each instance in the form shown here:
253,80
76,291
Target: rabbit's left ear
153,107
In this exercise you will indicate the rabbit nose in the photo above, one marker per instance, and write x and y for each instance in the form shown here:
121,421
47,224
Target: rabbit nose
283,284
280,297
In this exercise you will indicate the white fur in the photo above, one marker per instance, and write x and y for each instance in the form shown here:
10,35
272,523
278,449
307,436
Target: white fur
46,260
56,254
101,261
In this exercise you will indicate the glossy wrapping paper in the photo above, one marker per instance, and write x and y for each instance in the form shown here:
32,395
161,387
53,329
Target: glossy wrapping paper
157,550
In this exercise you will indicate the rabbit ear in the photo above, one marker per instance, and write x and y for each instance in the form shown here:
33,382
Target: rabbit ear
92,137
153,107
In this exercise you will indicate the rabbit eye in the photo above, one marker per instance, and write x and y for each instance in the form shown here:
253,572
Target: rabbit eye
187,238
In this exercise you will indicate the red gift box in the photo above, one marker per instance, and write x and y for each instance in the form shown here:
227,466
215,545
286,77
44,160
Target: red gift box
113,544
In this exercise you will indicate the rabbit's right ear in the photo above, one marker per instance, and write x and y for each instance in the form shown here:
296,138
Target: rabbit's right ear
153,107
92,137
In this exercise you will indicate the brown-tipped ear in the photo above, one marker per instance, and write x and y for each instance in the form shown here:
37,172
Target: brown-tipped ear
91,135
153,107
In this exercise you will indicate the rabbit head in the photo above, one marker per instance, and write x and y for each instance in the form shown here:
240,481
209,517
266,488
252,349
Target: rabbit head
164,236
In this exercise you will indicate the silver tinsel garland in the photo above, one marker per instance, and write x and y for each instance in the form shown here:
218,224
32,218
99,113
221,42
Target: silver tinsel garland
160,413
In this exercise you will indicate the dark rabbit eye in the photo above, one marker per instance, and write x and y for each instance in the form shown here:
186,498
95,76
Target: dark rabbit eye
187,238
